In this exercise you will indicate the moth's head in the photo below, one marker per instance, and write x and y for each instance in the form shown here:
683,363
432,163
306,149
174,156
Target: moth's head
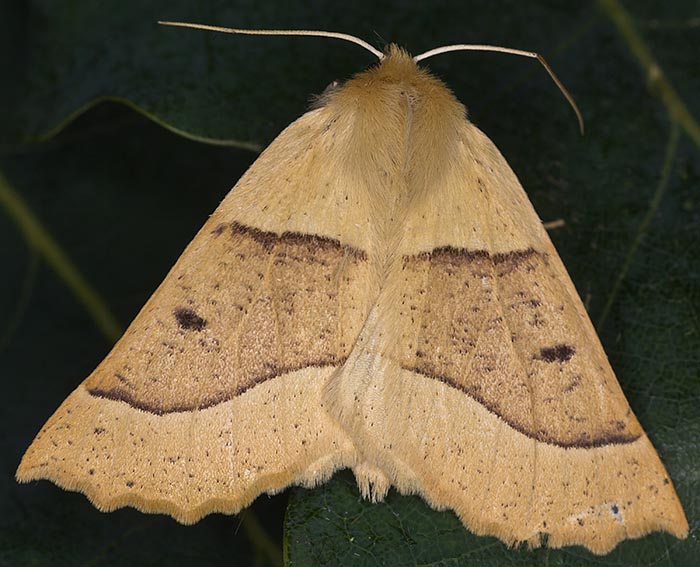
397,61
398,77
396,66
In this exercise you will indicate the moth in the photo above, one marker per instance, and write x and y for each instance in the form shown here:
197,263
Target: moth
375,293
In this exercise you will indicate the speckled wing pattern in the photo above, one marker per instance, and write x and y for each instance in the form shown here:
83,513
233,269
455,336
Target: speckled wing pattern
480,383
212,395
377,293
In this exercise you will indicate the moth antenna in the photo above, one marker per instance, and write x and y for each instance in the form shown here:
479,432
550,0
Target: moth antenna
496,48
316,33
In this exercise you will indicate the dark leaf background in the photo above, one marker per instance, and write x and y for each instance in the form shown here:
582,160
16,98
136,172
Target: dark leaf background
118,137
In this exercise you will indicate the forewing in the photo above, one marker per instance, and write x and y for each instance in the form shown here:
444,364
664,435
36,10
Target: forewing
480,383
212,395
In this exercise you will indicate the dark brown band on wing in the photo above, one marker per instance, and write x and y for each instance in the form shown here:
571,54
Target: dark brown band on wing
584,441
270,239
240,307
456,256
123,395
503,329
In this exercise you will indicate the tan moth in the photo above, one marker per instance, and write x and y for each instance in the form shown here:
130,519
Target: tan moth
375,293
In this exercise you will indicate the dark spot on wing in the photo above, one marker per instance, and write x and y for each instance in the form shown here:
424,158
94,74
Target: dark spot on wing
123,379
574,383
556,353
219,230
188,319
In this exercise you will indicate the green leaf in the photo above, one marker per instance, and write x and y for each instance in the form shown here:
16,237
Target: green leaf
199,84
122,198
208,86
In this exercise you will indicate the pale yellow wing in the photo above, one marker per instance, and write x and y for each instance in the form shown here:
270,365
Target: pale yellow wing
212,395
480,383
377,292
